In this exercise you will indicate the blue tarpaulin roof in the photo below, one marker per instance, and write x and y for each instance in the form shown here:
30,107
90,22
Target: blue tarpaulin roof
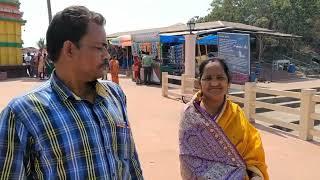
171,39
207,40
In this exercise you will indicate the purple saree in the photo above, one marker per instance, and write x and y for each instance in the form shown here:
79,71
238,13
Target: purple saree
205,151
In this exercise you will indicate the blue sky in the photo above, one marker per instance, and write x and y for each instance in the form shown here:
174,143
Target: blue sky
121,15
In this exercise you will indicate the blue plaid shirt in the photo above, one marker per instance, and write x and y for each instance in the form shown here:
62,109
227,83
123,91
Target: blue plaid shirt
50,133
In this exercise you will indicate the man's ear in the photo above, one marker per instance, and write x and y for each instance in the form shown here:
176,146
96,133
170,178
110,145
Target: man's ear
68,49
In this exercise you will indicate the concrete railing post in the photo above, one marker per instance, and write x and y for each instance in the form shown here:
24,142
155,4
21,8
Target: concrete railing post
307,107
250,100
164,84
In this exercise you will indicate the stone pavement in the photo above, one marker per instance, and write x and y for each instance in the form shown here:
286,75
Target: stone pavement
155,120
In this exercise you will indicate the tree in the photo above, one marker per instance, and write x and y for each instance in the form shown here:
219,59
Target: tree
298,17
41,44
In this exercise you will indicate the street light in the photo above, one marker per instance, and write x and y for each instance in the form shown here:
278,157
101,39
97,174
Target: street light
49,10
190,44
192,23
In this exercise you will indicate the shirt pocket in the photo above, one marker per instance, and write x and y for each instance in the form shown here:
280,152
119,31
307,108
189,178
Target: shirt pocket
123,132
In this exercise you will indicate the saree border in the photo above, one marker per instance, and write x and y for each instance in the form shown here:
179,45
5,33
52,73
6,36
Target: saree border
220,137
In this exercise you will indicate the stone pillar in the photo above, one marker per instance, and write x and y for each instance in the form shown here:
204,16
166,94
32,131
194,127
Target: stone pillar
189,63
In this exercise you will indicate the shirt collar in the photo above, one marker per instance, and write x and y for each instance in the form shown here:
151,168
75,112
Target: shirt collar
65,93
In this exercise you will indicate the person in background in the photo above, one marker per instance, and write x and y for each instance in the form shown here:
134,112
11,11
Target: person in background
147,66
35,62
72,126
105,70
114,69
136,69
41,66
49,66
27,60
32,73
216,139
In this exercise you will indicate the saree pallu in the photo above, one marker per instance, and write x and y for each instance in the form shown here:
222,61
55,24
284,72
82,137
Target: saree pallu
222,147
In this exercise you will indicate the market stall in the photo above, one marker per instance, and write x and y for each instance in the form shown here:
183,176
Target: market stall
121,48
148,42
172,54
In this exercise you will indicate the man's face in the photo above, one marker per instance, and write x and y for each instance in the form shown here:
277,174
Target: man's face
92,52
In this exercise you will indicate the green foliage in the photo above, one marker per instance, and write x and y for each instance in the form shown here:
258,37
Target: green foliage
299,17
41,44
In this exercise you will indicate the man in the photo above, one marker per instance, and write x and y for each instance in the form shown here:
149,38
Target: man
114,69
147,66
72,127
27,59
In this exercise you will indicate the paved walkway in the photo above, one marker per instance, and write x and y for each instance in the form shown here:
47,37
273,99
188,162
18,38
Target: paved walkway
155,119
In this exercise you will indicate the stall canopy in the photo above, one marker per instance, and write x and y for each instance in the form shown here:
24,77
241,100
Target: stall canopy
208,40
146,37
171,39
127,40
123,41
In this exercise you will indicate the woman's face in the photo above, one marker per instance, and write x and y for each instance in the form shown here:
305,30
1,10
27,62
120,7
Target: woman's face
214,81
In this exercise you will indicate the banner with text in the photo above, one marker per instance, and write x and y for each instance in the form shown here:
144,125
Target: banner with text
235,49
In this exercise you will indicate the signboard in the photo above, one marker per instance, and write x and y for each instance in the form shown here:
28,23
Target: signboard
235,49
146,37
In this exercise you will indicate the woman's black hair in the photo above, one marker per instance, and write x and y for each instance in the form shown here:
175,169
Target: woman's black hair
215,59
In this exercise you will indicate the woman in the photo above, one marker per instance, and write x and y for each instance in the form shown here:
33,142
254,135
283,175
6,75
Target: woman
41,66
114,69
216,140
136,69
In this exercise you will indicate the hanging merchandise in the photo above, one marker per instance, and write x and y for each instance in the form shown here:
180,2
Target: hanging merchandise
172,55
176,54
179,54
154,49
135,49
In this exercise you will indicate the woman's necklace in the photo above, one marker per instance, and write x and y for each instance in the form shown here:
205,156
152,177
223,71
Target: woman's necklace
212,111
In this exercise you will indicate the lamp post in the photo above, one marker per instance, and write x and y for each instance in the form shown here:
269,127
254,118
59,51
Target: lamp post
190,44
49,10
191,24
